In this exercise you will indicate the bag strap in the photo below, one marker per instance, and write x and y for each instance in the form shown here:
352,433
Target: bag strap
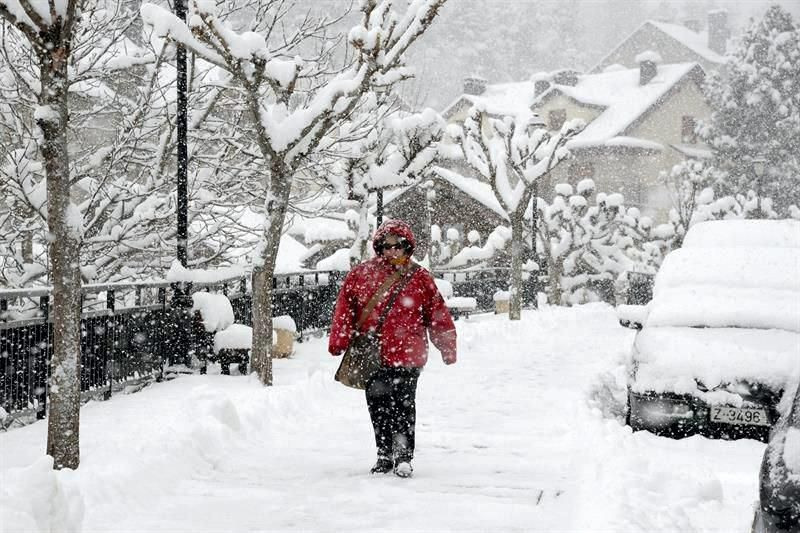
395,293
388,282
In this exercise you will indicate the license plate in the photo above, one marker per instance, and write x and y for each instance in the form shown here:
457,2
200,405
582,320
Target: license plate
740,416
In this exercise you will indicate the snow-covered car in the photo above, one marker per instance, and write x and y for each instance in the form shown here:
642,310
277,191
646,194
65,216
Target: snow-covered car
720,340
778,509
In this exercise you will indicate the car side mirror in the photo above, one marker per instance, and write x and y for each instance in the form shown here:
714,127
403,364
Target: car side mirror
632,316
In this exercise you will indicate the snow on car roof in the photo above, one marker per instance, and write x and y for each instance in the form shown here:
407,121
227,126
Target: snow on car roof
744,233
744,268
728,287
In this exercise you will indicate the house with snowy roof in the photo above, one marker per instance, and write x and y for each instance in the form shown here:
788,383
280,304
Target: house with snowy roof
640,121
450,200
688,42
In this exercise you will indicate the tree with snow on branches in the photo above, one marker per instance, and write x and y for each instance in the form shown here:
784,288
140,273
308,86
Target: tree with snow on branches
512,154
294,103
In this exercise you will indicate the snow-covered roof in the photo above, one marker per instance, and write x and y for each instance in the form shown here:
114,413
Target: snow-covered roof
617,93
501,99
693,151
480,191
624,101
697,42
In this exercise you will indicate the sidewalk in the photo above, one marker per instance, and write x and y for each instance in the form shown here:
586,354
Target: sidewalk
506,441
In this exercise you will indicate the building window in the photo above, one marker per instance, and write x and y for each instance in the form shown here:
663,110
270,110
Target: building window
688,125
557,117
581,170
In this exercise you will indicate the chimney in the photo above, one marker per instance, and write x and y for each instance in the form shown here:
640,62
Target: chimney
647,71
566,77
539,87
474,86
648,66
718,31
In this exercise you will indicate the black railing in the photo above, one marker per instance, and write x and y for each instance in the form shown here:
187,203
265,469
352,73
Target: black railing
130,332
484,283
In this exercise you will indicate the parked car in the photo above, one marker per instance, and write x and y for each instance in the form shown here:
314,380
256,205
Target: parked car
778,509
720,340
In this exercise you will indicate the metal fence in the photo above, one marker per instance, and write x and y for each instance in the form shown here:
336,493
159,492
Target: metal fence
131,332
482,284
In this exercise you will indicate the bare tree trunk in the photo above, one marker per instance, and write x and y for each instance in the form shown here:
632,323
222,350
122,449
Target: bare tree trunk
64,235
517,245
554,275
27,247
276,206
358,252
262,323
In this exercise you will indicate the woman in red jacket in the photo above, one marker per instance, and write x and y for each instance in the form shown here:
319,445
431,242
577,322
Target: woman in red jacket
417,310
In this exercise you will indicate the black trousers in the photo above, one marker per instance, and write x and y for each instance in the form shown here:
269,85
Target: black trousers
391,400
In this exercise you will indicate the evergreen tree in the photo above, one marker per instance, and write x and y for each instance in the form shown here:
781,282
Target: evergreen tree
756,112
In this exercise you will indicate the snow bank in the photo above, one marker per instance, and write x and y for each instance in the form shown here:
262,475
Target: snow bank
206,453
38,498
744,234
445,287
755,268
670,359
179,273
284,322
234,337
216,310
340,260
501,296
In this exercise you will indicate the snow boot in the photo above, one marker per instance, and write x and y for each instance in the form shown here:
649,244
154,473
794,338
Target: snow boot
403,469
382,466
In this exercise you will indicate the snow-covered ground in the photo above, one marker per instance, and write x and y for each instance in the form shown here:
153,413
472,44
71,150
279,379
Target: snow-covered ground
520,435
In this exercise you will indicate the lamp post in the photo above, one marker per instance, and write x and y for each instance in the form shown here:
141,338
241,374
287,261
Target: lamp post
183,151
181,351
759,165
378,208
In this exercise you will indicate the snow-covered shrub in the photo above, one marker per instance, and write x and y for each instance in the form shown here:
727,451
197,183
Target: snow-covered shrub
490,254
586,247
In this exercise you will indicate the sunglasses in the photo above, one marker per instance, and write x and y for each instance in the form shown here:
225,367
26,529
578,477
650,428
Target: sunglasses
395,246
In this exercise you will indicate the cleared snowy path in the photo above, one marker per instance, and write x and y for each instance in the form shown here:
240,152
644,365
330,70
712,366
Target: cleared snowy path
518,436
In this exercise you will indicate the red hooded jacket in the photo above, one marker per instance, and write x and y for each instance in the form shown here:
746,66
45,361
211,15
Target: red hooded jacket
419,307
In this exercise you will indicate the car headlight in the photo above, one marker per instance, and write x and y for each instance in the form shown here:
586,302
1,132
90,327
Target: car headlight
661,411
